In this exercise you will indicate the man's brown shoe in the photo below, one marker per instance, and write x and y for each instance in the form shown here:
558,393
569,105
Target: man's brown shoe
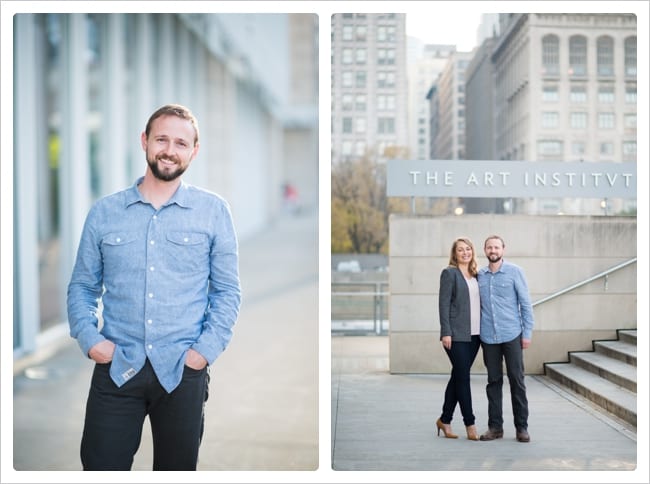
492,434
522,435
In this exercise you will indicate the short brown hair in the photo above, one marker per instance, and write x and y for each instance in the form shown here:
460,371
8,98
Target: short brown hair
503,244
174,110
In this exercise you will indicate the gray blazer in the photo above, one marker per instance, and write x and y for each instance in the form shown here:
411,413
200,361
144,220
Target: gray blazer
454,305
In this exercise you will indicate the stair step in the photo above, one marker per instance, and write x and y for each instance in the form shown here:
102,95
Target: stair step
627,335
621,350
613,398
614,370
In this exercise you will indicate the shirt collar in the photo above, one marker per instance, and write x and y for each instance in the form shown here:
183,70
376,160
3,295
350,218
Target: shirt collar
180,197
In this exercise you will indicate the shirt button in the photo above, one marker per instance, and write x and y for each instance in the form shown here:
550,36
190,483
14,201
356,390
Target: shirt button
149,321
152,242
155,217
118,240
151,268
185,239
149,346
150,294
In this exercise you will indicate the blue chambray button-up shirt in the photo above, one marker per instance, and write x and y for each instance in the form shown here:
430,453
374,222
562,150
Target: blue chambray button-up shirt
506,310
168,280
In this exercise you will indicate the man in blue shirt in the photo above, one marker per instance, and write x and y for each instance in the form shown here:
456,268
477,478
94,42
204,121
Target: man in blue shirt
162,257
506,330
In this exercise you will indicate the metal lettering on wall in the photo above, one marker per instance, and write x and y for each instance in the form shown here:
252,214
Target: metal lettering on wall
510,179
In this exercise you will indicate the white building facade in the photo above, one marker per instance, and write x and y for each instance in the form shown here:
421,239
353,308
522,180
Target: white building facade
566,91
369,86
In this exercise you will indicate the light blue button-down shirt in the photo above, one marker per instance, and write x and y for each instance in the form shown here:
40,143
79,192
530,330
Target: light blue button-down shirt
506,310
168,280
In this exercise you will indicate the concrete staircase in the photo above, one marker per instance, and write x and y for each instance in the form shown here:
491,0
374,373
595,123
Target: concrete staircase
606,376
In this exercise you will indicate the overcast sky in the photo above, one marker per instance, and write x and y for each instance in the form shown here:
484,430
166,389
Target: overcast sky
444,26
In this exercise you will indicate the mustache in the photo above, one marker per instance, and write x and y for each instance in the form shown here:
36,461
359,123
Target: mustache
173,158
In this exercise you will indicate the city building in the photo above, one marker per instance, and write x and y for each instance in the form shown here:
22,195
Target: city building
85,85
426,62
565,90
448,140
369,86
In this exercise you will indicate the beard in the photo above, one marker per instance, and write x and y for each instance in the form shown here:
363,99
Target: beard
164,174
494,258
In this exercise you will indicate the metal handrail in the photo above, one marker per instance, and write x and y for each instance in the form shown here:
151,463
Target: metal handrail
586,281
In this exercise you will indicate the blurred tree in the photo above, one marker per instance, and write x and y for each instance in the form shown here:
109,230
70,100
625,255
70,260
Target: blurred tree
360,207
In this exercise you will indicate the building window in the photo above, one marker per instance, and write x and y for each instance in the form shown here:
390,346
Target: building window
605,55
385,102
551,54
361,56
578,55
347,125
550,119
360,148
346,102
361,79
386,125
346,56
360,102
386,56
347,32
578,94
578,148
386,33
630,120
346,148
360,125
578,120
629,148
630,56
346,78
606,120
361,33
630,94
550,94
385,79
607,148
549,147
606,94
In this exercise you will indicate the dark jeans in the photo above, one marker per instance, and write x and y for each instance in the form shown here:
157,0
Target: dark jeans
461,355
115,416
493,356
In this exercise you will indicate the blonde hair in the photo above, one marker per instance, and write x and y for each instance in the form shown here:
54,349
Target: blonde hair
472,267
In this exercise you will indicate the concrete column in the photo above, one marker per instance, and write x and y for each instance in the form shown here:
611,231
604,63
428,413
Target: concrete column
142,91
27,311
114,136
74,171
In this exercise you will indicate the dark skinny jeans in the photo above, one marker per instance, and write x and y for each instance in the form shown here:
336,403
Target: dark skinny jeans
461,355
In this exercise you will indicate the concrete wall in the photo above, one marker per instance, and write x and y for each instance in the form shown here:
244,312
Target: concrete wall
555,252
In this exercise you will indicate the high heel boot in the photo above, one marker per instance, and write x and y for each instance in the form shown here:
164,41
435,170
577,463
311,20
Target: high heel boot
472,434
446,429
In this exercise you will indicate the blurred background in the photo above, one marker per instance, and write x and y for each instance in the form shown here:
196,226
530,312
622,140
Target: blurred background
84,87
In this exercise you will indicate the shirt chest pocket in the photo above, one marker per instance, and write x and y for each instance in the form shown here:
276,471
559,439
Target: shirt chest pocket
187,251
119,251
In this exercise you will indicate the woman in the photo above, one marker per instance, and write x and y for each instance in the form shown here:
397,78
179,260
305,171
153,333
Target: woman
460,321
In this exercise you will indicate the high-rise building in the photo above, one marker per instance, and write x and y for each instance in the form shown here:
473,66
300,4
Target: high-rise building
565,90
369,86
448,137
425,64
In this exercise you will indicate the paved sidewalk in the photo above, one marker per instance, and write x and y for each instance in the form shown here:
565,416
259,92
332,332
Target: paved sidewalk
384,422
262,413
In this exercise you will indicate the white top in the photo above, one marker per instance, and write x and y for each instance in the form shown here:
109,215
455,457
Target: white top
474,305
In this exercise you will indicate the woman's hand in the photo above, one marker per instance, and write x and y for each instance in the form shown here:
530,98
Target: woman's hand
446,342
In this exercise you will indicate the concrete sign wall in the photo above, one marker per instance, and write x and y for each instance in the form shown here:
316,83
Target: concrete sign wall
555,253
510,179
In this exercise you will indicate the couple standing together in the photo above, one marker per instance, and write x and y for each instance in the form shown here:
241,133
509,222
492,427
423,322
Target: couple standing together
490,308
